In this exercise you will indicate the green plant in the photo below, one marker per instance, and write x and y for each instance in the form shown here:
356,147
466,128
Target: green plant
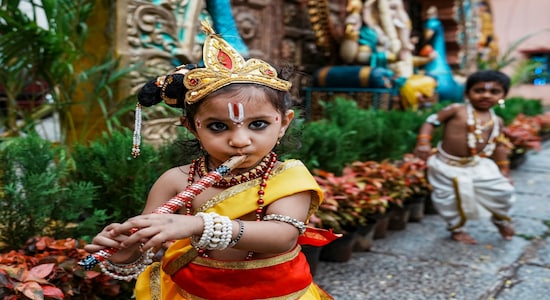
123,181
38,195
54,53
349,134
46,268
507,58
517,105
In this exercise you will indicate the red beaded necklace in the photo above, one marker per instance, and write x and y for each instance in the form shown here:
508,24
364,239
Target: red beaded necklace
232,180
263,171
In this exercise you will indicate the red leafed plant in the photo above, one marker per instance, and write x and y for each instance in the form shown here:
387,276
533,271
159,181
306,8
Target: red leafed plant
414,173
524,132
365,188
48,269
544,122
342,209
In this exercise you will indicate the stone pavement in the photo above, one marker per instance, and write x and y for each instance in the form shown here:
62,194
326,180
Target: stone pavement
421,262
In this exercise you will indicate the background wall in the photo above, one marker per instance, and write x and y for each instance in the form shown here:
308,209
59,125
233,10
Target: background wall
513,19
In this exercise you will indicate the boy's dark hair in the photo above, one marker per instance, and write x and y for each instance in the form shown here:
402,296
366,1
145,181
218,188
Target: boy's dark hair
489,75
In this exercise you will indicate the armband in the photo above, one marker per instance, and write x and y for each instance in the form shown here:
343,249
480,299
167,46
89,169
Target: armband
286,219
432,119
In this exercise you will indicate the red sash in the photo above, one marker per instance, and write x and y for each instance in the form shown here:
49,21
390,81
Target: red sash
214,279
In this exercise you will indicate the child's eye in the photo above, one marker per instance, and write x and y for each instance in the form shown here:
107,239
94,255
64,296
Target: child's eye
492,91
217,126
258,125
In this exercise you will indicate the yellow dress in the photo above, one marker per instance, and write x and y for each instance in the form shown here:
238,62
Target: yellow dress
183,275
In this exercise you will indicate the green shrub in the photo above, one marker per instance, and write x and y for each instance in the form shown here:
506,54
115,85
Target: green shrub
123,181
517,105
348,133
39,196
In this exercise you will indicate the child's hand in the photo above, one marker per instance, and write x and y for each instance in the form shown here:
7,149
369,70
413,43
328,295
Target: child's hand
108,238
156,229
423,151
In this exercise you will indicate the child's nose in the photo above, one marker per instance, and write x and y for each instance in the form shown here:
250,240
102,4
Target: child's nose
239,139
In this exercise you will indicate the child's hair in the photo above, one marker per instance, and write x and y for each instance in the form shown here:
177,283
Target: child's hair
489,75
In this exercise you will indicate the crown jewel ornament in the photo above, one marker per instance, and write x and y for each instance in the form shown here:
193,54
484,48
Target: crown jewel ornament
223,65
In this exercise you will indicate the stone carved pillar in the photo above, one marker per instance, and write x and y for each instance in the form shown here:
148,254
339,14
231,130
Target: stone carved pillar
157,35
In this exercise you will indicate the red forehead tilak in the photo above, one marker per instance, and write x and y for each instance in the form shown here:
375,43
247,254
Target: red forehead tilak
236,112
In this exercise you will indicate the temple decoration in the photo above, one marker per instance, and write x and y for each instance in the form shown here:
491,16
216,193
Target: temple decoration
487,42
447,87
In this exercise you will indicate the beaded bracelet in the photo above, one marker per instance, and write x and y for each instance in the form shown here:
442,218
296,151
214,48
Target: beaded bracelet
216,234
239,234
286,219
424,137
207,232
127,271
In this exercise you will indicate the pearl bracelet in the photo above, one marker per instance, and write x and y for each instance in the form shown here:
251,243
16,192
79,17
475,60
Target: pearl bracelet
127,271
216,234
286,219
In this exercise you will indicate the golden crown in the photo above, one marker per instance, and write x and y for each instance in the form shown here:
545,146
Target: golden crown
223,65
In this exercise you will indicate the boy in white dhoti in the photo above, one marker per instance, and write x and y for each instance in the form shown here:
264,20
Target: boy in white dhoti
470,168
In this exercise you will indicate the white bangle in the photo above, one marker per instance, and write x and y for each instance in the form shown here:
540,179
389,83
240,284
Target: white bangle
216,234
286,219
432,119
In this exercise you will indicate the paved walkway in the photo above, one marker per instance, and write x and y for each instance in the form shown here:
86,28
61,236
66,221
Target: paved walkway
421,262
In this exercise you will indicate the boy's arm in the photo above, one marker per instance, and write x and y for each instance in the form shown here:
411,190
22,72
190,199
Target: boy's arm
423,148
502,152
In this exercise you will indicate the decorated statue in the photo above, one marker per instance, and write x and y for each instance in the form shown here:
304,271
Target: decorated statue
222,17
447,87
487,43
377,33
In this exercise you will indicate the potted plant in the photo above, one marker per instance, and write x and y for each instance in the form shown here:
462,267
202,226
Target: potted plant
342,211
523,133
414,173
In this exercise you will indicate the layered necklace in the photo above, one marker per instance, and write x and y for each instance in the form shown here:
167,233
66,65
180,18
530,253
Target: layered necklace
231,180
262,170
475,132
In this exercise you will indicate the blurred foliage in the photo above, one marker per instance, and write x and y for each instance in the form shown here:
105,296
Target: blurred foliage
39,196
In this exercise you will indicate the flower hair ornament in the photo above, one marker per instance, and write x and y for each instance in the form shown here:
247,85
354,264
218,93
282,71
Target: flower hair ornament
223,65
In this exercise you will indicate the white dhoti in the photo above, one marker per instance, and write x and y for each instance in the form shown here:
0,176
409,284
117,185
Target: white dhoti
467,188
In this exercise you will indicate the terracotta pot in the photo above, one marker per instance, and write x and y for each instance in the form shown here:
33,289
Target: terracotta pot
364,237
399,218
340,249
313,254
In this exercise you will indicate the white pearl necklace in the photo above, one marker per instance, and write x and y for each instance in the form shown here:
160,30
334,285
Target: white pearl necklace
475,131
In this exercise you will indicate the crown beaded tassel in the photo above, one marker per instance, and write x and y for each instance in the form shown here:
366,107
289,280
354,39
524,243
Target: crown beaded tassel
223,66
137,132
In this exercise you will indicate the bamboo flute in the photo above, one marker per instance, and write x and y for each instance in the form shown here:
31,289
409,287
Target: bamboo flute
173,205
